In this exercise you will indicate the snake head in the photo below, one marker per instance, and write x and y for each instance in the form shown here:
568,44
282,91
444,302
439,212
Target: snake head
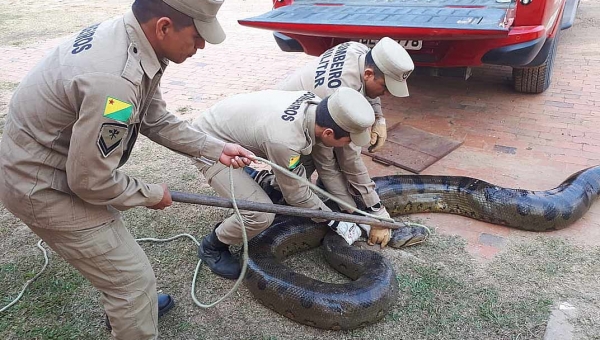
408,236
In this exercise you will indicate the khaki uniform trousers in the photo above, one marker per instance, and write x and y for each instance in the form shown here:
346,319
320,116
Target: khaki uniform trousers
110,258
360,185
230,230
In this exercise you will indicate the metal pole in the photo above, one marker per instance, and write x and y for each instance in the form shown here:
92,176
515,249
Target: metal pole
184,197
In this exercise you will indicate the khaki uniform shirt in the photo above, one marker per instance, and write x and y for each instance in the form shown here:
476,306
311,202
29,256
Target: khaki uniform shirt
73,121
275,125
342,65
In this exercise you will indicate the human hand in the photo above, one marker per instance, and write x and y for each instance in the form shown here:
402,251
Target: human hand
166,200
348,230
379,235
378,134
236,155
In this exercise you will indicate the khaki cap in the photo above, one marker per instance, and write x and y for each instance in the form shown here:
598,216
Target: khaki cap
204,13
395,63
352,112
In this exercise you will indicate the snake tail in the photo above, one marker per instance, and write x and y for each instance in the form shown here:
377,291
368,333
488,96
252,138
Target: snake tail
522,209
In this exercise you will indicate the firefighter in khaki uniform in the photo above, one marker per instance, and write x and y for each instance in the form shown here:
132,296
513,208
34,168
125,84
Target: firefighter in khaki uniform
286,126
73,121
372,72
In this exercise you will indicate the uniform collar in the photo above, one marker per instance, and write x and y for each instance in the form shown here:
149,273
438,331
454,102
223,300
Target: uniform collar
361,73
149,60
310,118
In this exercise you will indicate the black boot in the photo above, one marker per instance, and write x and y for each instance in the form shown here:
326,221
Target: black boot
215,254
165,303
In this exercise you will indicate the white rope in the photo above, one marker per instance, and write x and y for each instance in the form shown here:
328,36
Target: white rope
244,236
414,224
321,191
151,239
46,261
244,252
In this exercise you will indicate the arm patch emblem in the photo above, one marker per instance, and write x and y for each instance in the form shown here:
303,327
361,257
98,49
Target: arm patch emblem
117,109
294,161
110,137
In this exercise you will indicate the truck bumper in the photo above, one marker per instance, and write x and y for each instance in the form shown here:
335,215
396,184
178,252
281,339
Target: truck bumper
287,44
525,46
530,53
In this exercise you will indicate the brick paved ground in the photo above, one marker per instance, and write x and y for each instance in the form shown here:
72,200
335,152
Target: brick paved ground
510,139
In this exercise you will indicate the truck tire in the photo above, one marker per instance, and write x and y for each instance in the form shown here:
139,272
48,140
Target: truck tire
536,79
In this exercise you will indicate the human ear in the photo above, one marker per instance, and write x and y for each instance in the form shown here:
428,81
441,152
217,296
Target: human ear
163,27
369,74
328,132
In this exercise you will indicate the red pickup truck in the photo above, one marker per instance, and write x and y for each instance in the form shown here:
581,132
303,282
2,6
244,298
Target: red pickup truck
441,34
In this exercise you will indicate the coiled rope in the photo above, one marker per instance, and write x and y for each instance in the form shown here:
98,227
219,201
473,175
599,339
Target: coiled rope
244,237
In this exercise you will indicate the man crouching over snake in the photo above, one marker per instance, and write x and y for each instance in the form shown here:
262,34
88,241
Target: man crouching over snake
291,129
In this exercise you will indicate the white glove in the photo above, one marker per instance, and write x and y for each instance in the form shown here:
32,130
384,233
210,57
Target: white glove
348,230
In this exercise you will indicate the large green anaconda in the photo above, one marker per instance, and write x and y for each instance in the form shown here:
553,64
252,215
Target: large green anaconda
373,289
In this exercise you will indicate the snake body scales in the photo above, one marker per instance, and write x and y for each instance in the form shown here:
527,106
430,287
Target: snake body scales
373,289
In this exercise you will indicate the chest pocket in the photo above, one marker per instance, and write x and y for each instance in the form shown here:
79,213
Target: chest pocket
134,72
133,69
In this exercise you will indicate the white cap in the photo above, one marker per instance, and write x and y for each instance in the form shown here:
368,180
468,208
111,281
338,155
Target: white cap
352,112
395,63
204,13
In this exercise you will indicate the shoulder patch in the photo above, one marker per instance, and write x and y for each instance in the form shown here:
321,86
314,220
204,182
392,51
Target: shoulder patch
110,137
294,161
118,110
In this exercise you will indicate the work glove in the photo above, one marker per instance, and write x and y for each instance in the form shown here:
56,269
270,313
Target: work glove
378,235
378,134
348,230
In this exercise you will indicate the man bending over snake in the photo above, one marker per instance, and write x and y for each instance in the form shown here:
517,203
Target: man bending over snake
289,128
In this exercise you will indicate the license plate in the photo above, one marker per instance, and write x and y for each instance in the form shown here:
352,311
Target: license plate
414,45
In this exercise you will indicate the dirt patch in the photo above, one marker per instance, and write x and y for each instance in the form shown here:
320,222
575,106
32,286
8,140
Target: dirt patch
588,14
6,90
18,239
26,22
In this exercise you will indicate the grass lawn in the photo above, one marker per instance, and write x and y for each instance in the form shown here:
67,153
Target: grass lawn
445,293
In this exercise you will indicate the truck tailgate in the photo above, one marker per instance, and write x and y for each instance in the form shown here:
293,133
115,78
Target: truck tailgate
444,19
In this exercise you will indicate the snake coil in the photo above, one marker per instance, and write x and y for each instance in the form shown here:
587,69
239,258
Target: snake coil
373,289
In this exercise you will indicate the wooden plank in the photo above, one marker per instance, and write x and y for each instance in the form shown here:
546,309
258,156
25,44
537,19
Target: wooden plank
412,149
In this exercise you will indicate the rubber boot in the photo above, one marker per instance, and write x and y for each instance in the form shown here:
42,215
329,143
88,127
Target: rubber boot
165,303
215,254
